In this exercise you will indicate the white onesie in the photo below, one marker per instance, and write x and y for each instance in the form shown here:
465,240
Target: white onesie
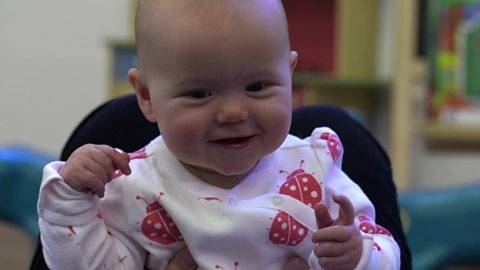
145,218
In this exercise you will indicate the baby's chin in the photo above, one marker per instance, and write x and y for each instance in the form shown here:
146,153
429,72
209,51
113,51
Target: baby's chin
235,169
220,176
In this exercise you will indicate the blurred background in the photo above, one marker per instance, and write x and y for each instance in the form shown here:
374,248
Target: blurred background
408,70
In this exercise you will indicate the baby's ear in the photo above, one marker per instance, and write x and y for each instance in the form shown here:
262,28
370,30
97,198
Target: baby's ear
293,60
142,93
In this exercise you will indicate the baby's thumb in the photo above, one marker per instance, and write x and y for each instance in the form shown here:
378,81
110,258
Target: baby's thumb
322,216
123,163
119,159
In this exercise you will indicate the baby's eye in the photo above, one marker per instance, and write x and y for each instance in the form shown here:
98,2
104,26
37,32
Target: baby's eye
199,94
255,87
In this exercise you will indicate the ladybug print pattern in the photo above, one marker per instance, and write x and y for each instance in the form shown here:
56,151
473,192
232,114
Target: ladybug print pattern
381,230
305,188
376,247
286,230
210,199
139,154
157,225
333,143
367,225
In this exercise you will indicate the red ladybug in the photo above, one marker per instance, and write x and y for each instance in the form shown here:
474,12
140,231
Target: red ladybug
157,225
381,230
286,230
305,188
334,144
368,226
377,247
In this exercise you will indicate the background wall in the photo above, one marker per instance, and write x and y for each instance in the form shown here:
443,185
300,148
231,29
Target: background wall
54,66
54,69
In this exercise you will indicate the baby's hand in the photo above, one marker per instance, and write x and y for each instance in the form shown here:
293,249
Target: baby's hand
91,166
339,242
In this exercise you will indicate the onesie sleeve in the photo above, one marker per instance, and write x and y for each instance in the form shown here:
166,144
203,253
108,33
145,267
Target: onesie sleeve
380,251
74,235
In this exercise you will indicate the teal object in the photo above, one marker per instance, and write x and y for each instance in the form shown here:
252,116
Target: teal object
21,171
442,226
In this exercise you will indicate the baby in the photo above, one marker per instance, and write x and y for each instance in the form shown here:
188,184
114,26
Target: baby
224,179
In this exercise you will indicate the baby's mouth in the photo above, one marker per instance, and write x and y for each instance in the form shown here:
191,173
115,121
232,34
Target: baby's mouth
235,143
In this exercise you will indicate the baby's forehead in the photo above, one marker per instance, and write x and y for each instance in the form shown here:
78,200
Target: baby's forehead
207,11
165,24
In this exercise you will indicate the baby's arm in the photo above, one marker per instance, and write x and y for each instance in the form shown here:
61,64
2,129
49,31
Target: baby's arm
73,233
378,248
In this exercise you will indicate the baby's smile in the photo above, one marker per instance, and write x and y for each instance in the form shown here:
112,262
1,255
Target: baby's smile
235,142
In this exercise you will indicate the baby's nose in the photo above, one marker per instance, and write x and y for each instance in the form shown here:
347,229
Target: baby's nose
232,112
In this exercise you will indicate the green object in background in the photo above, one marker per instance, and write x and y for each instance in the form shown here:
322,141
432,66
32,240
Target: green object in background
21,171
442,226
453,53
447,79
472,59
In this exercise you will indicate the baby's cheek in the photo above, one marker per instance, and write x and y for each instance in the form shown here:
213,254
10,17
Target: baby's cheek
180,136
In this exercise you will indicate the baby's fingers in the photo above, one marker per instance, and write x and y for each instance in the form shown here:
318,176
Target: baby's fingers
118,160
329,249
337,255
90,167
88,181
96,184
346,215
337,263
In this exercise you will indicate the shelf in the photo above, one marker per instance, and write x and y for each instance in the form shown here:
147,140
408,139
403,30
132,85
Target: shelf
452,134
317,80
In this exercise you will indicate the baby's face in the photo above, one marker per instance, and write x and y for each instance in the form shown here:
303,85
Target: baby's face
222,97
